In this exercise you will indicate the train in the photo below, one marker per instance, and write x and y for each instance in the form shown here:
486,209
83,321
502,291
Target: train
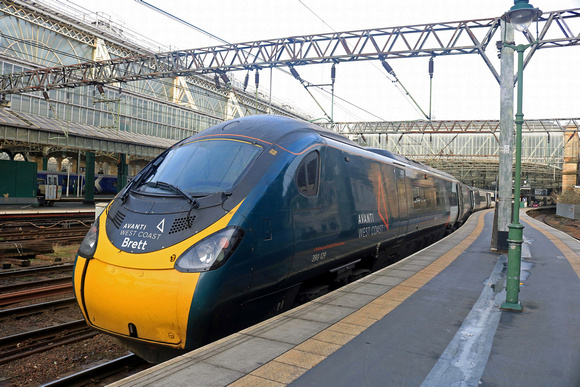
104,184
248,218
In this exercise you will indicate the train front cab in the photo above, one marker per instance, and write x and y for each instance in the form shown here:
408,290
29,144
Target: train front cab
154,248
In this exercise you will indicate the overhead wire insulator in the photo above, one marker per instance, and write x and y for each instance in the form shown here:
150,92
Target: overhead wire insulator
333,73
225,78
388,68
431,70
257,79
246,80
295,73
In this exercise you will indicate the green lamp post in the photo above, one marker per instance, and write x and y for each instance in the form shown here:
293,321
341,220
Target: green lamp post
521,15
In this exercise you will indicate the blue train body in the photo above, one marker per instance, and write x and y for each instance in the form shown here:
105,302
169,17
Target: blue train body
104,184
247,219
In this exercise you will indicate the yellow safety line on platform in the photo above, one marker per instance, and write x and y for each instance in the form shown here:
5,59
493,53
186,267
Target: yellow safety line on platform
570,255
294,363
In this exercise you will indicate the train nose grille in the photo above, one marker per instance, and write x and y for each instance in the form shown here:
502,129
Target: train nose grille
117,219
181,224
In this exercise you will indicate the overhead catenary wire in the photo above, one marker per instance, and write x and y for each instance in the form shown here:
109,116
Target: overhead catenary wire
304,82
405,93
23,44
77,58
173,17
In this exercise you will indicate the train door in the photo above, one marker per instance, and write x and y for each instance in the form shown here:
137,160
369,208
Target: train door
52,191
472,199
312,225
454,204
402,202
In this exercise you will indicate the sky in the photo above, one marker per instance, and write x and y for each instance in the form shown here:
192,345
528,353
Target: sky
463,87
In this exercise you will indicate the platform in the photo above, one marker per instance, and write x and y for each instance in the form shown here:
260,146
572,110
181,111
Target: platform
432,319
64,206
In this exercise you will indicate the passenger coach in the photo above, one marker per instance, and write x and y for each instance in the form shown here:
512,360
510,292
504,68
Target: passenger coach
246,219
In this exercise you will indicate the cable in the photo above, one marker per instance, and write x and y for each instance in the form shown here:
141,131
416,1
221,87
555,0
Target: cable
180,20
405,94
314,13
156,9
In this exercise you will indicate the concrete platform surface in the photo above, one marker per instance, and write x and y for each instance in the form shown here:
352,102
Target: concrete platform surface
432,319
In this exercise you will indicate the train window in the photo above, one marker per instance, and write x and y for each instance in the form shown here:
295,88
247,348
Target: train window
419,198
204,167
307,174
416,197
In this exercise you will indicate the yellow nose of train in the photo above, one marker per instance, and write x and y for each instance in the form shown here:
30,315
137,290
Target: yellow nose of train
137,295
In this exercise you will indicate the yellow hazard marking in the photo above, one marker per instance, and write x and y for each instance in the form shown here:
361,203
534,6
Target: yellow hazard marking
570,255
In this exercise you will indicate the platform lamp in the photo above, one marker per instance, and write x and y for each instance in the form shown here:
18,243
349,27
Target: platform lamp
521,15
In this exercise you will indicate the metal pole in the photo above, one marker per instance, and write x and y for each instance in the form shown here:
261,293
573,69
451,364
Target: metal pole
506,141
270,101
515,234
90,178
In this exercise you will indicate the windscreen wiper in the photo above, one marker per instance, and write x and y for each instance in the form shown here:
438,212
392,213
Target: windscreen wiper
149,169
174,188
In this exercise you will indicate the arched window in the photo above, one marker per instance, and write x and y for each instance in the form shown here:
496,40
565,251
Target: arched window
4,155
65,165
51,165
19,157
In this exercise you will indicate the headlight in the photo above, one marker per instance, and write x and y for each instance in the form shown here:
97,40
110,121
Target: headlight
211,252
89,244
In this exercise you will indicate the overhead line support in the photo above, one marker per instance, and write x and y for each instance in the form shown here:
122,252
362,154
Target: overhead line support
394,42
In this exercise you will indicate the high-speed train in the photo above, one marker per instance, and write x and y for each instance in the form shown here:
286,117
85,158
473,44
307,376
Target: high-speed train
246,219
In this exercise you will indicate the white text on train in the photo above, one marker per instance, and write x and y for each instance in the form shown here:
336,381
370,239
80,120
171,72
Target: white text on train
366,218
139,245
135,226
364,232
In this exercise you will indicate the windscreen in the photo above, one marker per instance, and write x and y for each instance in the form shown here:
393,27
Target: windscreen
203,167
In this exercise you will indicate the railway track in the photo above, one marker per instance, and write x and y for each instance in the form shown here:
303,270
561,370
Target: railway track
15,287
17,349
71,235
29,310
103,373
32,294
548,216
17,346
36,271
12,293
22,237
66,229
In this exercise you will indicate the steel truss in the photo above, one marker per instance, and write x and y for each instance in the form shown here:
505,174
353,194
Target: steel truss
111,41
459,126
452,38
474,158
